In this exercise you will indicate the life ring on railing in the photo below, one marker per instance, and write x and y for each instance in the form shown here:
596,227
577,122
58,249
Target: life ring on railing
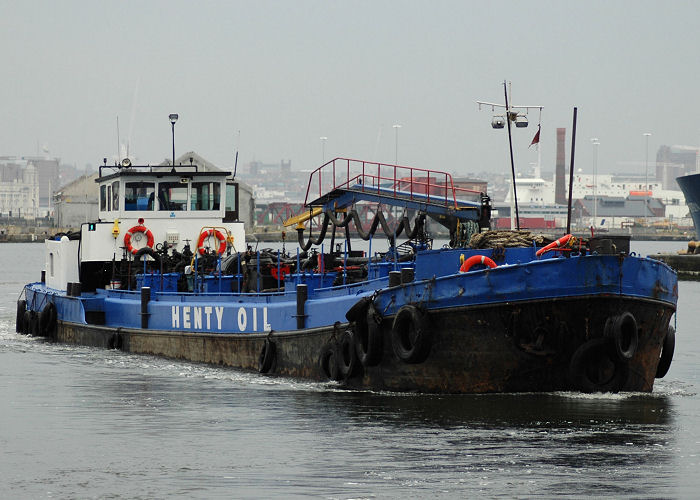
206,234
555,244
140,228
474,260
284,271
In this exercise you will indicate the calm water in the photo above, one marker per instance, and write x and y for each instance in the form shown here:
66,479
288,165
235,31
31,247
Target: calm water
79,422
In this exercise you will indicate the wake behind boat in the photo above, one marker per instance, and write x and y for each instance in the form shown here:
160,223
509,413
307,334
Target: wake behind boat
165,271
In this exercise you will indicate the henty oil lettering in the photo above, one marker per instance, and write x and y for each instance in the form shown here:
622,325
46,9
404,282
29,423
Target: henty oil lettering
210,318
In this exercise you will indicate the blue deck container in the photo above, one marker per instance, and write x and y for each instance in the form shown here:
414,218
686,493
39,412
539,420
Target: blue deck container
166,282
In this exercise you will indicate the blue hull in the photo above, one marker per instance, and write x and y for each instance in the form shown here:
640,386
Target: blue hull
518,327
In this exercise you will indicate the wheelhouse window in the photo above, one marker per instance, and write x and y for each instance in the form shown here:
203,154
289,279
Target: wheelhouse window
115,195
103,197
206,196
172,196
231,213
139,195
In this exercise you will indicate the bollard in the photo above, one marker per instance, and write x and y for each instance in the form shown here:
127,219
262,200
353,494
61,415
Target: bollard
406,274
302,294
394,278
145,299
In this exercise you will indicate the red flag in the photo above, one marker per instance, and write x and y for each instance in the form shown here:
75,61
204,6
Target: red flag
536,139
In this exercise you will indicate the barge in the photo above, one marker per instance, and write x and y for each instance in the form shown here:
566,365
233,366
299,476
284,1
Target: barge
165,271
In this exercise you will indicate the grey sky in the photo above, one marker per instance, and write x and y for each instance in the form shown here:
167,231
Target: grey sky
286,73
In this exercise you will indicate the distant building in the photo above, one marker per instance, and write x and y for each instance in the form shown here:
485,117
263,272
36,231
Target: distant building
257,167
19,188
471,184
617,211
676,161
76,202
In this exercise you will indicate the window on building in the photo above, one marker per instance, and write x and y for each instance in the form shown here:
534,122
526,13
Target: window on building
172,196
139,195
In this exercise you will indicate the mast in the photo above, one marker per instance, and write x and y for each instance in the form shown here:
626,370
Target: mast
512,163
520,119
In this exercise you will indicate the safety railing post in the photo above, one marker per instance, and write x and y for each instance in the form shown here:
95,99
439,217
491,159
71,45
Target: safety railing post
427,187
445,188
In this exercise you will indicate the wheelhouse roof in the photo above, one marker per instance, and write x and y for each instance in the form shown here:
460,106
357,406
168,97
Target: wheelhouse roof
158,172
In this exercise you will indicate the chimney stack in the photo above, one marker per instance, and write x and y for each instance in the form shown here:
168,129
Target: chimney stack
560,175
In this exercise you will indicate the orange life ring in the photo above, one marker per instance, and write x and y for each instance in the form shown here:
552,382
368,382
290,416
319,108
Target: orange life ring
284,271
138,229
211,232
555,244
474,260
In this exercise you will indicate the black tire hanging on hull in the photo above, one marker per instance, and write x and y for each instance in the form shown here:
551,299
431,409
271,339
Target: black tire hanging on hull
595,367
267,356
666,353
410,336
329,361
358,309
348,363
19,321
47,321
622,329
368,338
28,322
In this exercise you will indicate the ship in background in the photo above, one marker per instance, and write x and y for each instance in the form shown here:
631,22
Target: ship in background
690,185
681,165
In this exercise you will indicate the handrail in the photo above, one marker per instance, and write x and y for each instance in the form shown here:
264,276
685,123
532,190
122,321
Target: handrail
367,177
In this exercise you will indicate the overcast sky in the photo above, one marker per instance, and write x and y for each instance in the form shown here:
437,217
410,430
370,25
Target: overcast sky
285,73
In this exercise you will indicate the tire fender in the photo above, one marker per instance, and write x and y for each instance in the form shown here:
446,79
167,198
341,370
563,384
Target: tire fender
595,367
348,363
368,338
267,356
328,361
622,329
19,320
667,349
410,336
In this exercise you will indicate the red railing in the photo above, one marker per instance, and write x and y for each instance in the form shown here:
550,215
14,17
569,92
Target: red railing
431,186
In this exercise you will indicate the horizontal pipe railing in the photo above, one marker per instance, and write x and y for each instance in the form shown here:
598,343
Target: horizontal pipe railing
401,180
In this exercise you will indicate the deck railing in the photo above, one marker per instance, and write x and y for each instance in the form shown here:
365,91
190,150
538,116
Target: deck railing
431,186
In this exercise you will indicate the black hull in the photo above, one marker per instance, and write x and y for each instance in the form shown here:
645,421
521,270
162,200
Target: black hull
513,347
